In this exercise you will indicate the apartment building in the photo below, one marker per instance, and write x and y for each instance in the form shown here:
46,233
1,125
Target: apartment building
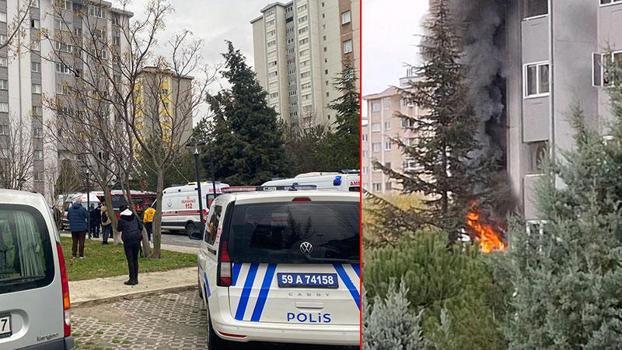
300,47
30,75
381,124
556,54
165,101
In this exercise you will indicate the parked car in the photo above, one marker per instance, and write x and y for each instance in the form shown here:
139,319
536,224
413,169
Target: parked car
282,266
34,287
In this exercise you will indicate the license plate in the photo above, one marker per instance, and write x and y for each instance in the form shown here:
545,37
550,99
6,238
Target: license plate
5,326
308,280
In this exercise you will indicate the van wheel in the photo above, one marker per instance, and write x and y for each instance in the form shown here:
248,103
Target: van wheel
213,340
190,228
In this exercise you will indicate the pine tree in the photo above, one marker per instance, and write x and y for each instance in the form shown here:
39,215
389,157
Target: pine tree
446,173
345,143
246,140
566,284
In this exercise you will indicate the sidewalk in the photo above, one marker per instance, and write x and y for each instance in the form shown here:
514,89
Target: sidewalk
169,247
100,290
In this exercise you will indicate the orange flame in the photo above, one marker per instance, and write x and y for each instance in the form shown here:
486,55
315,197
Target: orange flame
489,238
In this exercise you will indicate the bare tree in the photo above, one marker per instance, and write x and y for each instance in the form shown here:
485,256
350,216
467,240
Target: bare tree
17,155
118,104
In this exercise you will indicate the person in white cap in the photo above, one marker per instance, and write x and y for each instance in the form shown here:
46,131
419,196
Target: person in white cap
131,234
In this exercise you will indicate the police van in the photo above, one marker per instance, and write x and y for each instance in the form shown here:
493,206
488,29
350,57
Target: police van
343,181
180,206
282,266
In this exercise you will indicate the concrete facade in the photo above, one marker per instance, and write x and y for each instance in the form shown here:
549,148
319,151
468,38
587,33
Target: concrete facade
554,61
300,48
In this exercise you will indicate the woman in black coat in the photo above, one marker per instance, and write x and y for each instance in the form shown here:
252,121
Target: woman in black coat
131,234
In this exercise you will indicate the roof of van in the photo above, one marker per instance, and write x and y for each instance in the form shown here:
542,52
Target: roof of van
20,197
242,196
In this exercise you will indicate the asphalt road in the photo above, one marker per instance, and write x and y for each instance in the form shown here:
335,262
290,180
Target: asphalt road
179,239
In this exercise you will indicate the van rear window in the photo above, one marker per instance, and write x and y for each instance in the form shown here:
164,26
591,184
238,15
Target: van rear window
295,233
26,258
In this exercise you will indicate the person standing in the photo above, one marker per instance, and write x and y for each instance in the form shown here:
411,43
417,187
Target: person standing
106,224
148,220
77,217
131,234
96,218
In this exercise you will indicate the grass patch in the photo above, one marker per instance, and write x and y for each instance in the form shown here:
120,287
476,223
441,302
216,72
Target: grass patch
109,260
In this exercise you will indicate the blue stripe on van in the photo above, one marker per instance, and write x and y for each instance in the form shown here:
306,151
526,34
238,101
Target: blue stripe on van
357,269
208,292
346,280
263,294
237,267
246,292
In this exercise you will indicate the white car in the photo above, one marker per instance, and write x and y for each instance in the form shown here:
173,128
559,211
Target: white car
34,287
282,266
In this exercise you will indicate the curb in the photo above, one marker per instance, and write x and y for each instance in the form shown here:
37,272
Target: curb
88,303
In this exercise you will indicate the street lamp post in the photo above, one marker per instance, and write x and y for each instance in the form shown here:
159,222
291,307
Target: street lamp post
196,152
88,203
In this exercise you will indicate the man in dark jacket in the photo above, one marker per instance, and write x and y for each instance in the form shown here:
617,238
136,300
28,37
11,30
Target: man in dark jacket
131,234
77,217
96,218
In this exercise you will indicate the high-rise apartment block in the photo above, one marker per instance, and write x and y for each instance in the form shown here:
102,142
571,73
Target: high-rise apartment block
300,47
31,74
558,55
381,125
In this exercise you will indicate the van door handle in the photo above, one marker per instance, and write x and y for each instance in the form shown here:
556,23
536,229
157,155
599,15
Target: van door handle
306,305
211,250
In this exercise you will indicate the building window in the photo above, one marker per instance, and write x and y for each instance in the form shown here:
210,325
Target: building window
96,11
35,4
35,44
377,187
347,46
388,145
271,43
4,130
375,147
303,41
4,107
34,23
302,19
375,127
303,30
606,67
37,110
36,67
3,17
36,89
37,132
606,2
407,123
62,68
388,186
536,79
4,84
346,17
375,106
538,151
535,8
387,125
409,165
38,155
4,62
364,137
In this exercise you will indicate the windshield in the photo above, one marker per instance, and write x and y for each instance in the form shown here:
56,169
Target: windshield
282,232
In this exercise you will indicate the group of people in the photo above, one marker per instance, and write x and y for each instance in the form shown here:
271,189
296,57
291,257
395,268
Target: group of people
129,225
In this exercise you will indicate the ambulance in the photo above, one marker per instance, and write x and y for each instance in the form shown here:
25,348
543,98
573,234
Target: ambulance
180,206
282,266
349,181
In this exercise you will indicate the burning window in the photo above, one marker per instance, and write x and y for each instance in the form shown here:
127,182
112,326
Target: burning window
537,155
534,8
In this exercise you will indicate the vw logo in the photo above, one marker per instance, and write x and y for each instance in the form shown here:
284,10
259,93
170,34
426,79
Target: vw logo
306,247
169,203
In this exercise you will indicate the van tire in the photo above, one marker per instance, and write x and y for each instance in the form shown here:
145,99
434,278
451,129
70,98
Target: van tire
190,228
214,342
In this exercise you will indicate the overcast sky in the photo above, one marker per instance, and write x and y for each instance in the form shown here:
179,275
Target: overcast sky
390,30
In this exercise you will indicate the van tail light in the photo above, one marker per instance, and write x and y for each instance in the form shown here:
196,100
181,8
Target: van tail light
64,280
224,265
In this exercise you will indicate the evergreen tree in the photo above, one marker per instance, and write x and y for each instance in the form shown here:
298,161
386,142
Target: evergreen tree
344,144
566,282
446,173
246,141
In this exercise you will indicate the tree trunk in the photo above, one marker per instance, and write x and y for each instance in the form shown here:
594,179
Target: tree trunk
110,212
157,219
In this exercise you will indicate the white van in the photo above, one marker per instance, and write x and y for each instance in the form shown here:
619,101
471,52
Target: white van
34,287
282,266
323,181
180,206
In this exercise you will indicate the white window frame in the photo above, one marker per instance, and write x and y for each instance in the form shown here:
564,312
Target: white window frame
388,145
4,107
525,85
374,104
4,84
612,2
387,125
4,62
601,69
346,17
35,23
36,89
38,155
348,46
3,17
37,132
548,11
376,147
